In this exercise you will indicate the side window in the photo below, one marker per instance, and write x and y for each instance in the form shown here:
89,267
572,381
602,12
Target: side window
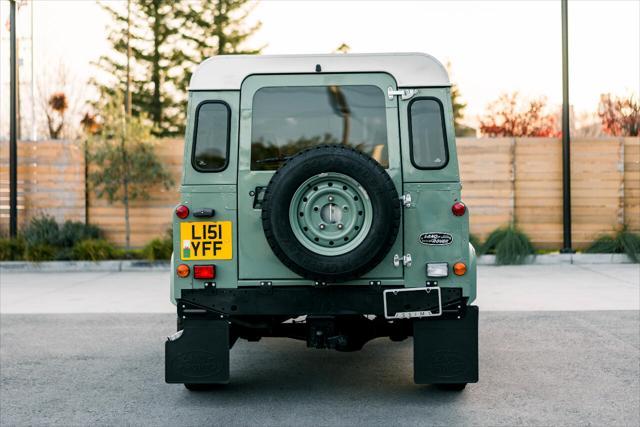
427,134
211,137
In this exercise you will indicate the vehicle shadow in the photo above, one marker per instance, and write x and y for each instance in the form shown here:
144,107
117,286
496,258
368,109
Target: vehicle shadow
285,369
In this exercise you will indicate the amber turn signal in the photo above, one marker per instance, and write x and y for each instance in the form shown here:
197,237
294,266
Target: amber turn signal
459,268
182,211
458,208
182,270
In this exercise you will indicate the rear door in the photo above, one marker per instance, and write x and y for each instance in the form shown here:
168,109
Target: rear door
433,234
280,114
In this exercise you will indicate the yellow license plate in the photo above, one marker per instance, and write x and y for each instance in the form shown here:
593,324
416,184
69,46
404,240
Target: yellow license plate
205,240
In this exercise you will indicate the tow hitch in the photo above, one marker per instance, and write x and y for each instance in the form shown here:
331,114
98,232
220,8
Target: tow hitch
322,333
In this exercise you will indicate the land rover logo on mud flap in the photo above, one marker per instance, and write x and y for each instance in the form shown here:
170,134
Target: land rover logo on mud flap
196,364
447,364
436,238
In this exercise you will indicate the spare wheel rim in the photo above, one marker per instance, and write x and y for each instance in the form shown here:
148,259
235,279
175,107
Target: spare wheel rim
330,214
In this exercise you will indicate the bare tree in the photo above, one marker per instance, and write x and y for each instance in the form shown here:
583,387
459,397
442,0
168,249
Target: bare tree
59,98
57,106
620,116
343,48
510,116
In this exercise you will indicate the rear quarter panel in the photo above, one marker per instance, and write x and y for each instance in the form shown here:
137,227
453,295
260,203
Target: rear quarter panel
216,190
431,212
222,198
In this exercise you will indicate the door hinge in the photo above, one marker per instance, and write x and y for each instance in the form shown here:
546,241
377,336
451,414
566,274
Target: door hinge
406,200
405,259
258,197
404,94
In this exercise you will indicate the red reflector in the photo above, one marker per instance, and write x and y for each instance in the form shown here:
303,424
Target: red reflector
182,211
458,208
204,271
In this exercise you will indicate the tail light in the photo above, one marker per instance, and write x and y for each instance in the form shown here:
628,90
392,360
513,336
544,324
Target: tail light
458,208
204,271
182,211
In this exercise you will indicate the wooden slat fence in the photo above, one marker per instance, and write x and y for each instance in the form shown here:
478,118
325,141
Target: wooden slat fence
504,180
520,179
50,181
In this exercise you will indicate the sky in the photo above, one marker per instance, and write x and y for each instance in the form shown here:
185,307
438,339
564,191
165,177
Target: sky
492,46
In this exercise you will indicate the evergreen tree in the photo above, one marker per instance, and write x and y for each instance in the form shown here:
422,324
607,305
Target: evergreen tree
152,41
458,110
212,27
167,40
458,113
457,104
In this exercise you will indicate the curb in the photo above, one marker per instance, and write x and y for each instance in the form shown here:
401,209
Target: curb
557,258
84,266
141,265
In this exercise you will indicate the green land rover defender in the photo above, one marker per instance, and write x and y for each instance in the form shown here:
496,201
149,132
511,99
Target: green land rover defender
320,201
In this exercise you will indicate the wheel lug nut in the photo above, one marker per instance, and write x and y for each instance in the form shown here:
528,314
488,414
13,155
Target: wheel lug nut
322,226
340,226
331,198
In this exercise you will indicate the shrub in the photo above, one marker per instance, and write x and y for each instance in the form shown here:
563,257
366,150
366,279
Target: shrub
73,232
623,242
63,254
121,253
46,240
42,230
93,250
510,245
159,249
130,254
40,252
12,249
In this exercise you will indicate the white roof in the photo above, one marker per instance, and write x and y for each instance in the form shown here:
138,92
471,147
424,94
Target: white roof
226,72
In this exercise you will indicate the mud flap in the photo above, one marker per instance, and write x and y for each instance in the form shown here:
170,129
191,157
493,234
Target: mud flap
445,351
200,355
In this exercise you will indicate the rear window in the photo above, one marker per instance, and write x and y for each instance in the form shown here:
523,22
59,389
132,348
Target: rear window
211,142
428,143
289,119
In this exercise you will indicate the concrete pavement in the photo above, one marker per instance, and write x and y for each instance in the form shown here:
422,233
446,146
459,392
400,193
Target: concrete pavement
528,287
536,368
559,287
559,345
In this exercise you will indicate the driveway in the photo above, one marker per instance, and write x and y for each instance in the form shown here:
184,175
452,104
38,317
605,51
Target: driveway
565,287
540,363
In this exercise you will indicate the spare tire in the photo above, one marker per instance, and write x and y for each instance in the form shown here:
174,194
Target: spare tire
331,213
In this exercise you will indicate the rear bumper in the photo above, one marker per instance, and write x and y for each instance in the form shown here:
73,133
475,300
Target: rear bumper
293,301
445,347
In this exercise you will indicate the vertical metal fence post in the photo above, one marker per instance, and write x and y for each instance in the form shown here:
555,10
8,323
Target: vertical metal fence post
513,182
13,135
566,157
